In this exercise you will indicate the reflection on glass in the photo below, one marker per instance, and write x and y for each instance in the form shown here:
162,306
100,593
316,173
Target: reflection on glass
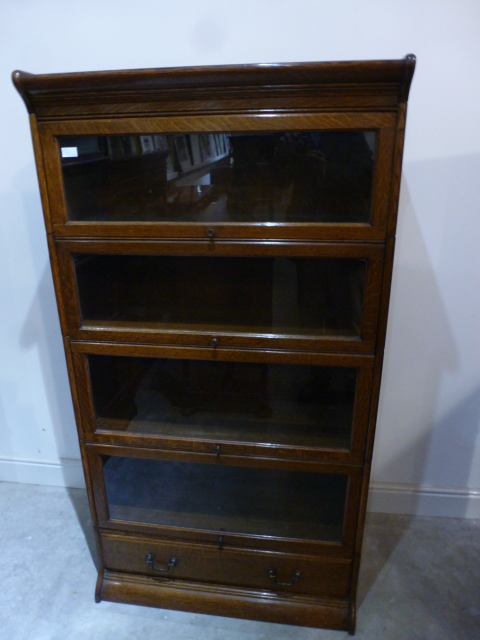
280,296
249,177
226,401
213,497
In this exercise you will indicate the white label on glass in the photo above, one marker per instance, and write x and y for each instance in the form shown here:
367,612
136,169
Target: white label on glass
69,152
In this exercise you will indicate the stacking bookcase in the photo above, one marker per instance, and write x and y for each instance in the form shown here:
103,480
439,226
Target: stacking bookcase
221,242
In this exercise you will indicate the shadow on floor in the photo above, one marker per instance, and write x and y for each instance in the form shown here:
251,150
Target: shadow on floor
383,533
79,500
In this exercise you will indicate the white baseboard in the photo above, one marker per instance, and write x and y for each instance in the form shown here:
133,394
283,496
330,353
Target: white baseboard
53,473
383,497
423,500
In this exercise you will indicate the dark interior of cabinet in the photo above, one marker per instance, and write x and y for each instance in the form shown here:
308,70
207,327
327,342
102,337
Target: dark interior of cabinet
288,176
279,296
257,403
215,497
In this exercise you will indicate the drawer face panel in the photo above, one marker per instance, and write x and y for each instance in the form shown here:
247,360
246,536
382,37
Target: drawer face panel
237,567
214,497
306,296
280,177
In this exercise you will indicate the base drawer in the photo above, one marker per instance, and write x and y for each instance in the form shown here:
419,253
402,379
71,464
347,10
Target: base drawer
172,560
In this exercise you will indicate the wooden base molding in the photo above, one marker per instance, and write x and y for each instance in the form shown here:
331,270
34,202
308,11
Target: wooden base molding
227,601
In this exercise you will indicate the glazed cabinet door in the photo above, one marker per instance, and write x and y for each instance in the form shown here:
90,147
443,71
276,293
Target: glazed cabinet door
253,295
274,505
225,402
297,177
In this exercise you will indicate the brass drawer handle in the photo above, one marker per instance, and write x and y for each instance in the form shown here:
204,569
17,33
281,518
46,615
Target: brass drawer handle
172,563
272,574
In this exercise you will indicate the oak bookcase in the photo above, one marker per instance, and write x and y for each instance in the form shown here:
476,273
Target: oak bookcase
221,242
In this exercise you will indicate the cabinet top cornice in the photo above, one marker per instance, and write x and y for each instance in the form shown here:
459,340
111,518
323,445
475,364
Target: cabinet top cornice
380,77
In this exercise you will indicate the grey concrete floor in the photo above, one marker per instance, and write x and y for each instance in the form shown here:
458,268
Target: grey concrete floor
420,578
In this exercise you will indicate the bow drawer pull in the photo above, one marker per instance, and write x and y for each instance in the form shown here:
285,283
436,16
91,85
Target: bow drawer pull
272,574
172,563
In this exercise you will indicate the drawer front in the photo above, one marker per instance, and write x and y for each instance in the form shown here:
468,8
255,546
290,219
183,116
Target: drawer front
285,177
277,572
263,504
313,407
262,296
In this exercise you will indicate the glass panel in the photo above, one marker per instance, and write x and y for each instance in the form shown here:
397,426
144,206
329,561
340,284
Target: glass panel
322,176
213,497
281,296
272,404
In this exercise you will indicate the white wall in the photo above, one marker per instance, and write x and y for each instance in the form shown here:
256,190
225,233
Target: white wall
427,456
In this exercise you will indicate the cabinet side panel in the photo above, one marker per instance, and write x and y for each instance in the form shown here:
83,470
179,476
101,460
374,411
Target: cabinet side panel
57,282
86,470
377,376
73,387
85,400
357,556
100,564
397,168
42,182
362,409
384,154
377,379
54,176
65,286
98,493
385,294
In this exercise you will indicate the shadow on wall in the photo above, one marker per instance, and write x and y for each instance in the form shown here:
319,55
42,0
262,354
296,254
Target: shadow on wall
431,356
13,408
41,330
4,429
456,433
